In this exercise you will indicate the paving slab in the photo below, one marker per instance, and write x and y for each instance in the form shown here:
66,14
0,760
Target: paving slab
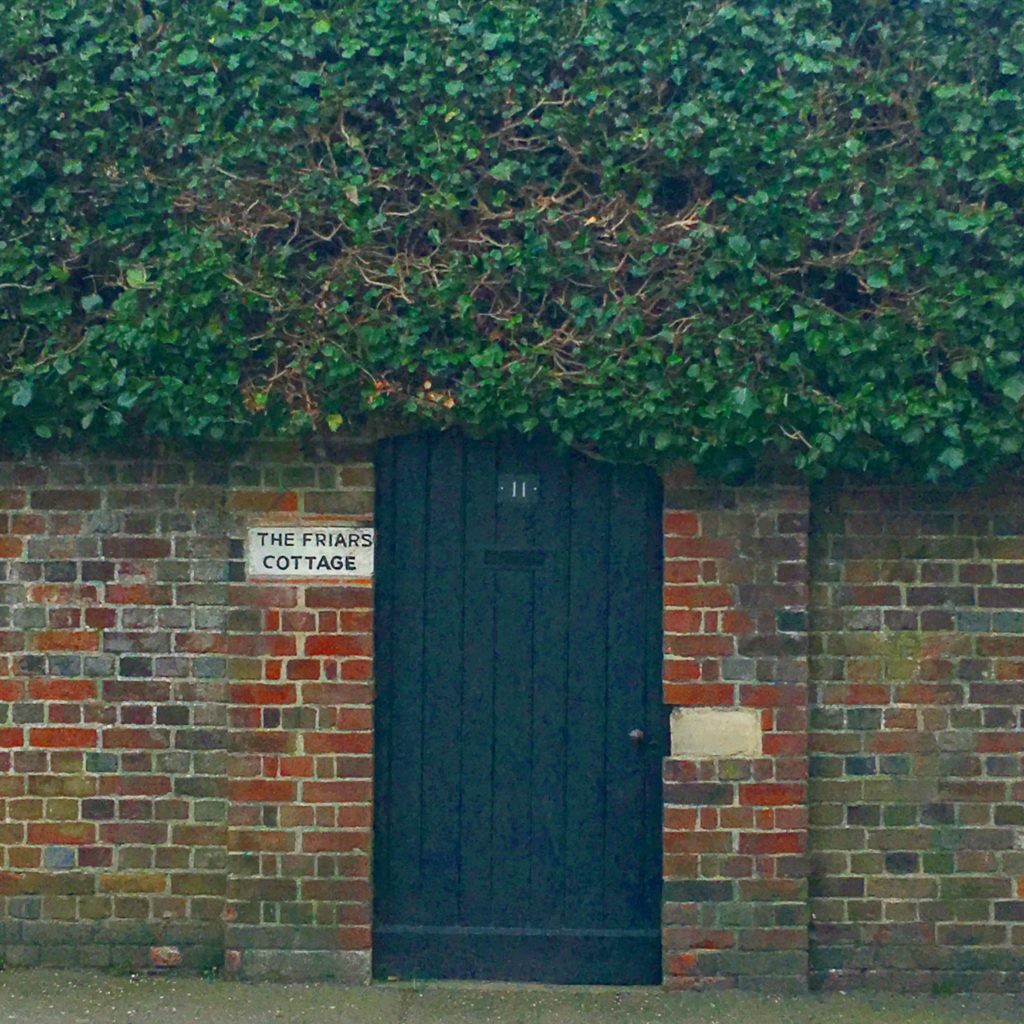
41,996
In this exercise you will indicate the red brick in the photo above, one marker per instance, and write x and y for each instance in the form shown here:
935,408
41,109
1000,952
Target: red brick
101,618
26,525
674,669
140,833
339,597
11,738
697,646
354,937
355,816
683,964
1001,597
264,840
135,739
776,743
136,547
303,668
72,833
342,791
697,596
11,547
11,689
701,547
681,571
1010,671
259,644
62,593
355,622
1000,742
678,621
12,499
771,794
756,696
338,645
1001,646
698,842
63,737
95,856
772,842
296,622
296,767
335,841
200,643
700,694
357,668
263,501
65,499
274,790
736,622
681,524
65,640
354,718
262,693
263,595
62,689
338,742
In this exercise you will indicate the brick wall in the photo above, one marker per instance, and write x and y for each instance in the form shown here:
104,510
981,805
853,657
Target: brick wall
917,781
735,910
184,756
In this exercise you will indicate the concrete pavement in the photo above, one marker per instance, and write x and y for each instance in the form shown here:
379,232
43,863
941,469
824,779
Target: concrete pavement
41,996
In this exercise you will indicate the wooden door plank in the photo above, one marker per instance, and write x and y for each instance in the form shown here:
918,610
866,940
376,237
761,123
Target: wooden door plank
586,777
442,680
551,642
513,693
625,851
477,755
411,526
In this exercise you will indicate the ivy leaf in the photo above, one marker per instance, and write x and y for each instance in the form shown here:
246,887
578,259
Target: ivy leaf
744,402
187,57
954,458
22,394
91,302
1014,387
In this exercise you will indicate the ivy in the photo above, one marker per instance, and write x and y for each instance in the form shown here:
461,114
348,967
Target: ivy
656,229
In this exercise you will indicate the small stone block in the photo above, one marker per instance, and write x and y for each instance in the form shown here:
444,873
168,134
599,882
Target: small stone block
715,732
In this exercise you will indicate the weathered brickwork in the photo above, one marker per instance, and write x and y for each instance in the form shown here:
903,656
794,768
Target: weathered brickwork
184,756
917,788
735,910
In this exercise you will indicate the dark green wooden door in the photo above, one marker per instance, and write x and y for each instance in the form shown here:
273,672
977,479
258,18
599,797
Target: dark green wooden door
520,728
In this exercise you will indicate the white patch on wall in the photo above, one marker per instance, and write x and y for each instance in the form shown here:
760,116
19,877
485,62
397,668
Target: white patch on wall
310,552
715,732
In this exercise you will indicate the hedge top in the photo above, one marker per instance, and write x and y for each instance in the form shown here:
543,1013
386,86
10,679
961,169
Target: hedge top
658,229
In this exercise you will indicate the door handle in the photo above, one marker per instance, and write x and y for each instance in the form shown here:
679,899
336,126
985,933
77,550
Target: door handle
636,737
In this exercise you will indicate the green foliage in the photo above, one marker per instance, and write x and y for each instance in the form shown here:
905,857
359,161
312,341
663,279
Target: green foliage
699,229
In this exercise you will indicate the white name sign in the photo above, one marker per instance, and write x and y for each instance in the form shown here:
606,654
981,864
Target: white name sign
310,551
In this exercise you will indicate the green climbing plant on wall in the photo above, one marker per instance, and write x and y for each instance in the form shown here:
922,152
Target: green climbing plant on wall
699,229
